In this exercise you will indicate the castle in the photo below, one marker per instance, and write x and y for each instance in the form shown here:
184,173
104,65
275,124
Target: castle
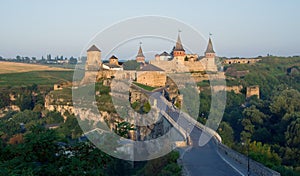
152,73
179,61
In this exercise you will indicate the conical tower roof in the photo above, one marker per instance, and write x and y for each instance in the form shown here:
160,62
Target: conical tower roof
140,53
178,46
210,48
113,57
93,48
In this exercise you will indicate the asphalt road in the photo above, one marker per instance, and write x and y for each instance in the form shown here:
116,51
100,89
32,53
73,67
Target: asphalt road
204,160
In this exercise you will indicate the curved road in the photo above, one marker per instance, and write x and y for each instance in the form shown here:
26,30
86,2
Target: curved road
197,160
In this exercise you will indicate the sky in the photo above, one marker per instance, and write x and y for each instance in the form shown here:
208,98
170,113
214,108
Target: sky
245,28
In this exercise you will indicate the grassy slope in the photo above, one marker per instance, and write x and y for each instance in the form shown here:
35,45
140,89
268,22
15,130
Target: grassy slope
35,77
149,88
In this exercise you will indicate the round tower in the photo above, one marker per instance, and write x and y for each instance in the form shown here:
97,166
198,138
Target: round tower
210,57
93,61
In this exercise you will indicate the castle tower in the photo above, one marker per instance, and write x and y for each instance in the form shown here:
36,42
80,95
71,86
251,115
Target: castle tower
113,60
179,52
140,58
93,61
210,57
210,53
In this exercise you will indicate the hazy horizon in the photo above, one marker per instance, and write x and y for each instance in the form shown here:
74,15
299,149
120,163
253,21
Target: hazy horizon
239,28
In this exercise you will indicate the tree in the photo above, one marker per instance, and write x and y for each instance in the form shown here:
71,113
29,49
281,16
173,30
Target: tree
166,165
292,136
263,154
253,119
131,65
254,115
4,99
73,60
286,102
40,145
123,128
24,100
54,117
70,128
226,133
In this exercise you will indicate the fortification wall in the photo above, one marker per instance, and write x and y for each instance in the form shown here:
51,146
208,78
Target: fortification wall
240,61
235,89
194,66
175,66
252,91
152,78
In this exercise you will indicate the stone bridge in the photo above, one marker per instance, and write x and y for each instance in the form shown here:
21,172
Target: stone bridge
207,156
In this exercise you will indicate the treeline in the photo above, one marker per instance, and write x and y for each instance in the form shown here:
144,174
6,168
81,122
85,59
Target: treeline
269,126
43,60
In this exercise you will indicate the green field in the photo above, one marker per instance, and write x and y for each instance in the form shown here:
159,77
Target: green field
149,88
35,77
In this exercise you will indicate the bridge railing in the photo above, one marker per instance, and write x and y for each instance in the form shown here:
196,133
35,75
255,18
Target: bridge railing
255,167
196,123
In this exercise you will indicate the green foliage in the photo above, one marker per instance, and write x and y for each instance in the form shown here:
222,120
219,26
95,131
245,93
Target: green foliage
263,154
25,100
205,101
42,142
70,129
226,132
165,165
123,128
271,120
54,117
146,107
10,124
292,136
286,102
149,88
136,105
190,102
40,154
35,77
285,171
4,98
141,107
131,65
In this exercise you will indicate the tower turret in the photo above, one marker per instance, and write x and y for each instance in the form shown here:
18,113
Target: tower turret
210,57
140,58
179,52
210,53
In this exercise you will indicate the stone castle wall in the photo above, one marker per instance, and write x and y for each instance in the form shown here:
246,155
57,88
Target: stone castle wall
175,66
152,78
240,61
252,91
235,89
